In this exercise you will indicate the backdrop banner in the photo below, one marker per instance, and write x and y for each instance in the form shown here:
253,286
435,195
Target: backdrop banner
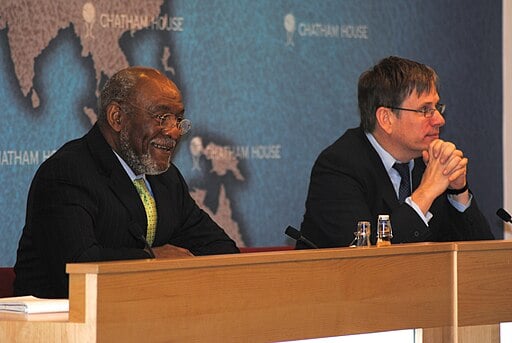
267,85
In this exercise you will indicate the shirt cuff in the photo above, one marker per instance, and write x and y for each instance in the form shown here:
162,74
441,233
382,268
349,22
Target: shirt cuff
458,206
426,218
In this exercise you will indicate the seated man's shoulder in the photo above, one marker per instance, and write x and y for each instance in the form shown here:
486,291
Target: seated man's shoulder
348,147
71,158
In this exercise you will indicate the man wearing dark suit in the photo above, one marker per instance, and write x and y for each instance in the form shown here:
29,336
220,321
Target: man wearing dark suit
83,205
354,179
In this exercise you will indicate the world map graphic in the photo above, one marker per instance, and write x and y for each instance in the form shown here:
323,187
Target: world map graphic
267,85
99,26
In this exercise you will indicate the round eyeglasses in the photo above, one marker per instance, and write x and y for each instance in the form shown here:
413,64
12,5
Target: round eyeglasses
169,120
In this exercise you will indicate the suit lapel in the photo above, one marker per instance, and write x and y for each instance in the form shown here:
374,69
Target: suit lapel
417,172
388,191
123,188
164,209
386,186
118,180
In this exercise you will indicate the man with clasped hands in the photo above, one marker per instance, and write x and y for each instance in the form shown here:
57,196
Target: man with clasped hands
354,178
83,204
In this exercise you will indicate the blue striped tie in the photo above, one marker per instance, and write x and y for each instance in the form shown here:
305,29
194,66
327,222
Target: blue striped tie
405,181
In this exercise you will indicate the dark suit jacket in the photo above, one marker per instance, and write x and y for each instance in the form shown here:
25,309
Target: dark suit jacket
349,183
82,206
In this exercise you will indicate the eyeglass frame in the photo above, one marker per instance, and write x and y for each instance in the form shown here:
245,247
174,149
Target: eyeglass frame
182,124
427,113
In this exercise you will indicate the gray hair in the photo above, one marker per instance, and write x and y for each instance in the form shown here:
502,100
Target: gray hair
118,88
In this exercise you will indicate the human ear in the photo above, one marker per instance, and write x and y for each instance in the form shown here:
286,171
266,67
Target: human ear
114,117
385,119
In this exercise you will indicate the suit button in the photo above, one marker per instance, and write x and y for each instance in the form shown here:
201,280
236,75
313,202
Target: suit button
416,233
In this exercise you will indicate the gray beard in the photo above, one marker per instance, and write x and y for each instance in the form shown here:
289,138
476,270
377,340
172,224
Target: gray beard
140,164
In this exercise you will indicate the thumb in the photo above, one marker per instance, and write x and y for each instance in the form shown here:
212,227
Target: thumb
425,156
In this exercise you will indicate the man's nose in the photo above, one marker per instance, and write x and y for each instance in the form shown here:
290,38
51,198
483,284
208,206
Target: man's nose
172,131
438,119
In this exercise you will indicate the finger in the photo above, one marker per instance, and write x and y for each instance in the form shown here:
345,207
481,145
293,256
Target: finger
454,163
425,156
446,152
456,174
460,170
435,147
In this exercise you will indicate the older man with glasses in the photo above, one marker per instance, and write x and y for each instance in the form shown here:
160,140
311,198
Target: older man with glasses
114,193
395,164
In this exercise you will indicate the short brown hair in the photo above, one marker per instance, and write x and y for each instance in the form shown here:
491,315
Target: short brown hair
388,83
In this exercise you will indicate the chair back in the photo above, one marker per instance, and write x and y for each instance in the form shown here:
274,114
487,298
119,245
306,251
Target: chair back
6,282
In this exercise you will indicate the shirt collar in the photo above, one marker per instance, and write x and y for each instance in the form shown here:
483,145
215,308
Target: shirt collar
385,156
129,170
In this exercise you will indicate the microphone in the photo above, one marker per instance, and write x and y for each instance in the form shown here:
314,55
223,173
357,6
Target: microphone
137,233
295,234
504,215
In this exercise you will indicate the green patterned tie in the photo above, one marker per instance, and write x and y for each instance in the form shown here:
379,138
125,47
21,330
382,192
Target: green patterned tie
149,206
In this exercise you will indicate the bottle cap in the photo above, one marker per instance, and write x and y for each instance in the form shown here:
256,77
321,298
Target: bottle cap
383,216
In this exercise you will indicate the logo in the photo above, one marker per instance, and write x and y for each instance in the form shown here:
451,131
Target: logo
228,156
289,26
196,150
89,15
322,30
128,22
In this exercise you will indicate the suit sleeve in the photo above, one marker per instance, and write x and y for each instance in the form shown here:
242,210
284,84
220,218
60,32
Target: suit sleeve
336,201
464,226
63,215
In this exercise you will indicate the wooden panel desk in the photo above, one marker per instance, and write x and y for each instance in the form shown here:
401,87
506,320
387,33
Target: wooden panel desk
256,297
484,282
264,297
484,288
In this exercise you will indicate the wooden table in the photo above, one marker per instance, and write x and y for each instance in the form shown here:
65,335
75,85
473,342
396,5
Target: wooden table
457,292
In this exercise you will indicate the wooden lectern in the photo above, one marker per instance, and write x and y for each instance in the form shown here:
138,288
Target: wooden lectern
457,292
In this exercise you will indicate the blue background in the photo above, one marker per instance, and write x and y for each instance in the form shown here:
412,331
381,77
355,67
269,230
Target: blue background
244,86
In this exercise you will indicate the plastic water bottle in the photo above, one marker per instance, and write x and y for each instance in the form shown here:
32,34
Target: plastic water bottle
384,230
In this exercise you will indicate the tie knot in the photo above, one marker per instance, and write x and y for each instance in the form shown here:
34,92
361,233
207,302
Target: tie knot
402,169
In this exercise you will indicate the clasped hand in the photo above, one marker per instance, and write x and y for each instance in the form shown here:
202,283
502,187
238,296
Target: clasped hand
446,168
